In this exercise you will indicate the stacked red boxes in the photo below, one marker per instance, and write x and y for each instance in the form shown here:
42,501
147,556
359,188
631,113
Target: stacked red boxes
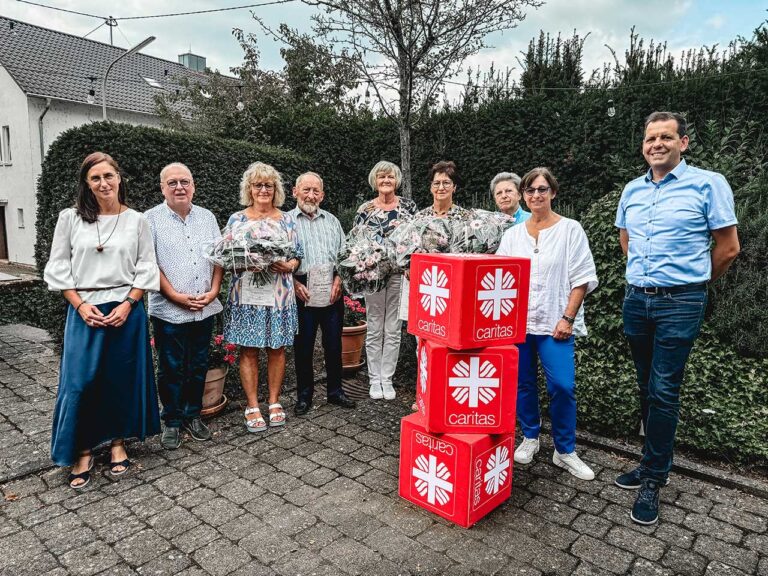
456,451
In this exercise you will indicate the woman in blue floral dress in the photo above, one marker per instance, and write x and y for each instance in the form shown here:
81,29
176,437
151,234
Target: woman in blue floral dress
263,317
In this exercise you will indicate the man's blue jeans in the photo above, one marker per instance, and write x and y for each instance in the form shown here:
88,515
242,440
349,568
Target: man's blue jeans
182,361
661,329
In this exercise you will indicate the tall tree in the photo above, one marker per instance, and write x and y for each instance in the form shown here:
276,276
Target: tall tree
406,49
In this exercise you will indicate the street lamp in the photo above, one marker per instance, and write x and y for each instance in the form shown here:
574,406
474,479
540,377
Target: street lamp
133,50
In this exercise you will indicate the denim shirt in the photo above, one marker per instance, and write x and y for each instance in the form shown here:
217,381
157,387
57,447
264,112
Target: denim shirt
669,225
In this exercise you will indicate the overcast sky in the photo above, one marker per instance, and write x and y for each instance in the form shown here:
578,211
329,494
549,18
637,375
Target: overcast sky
681,23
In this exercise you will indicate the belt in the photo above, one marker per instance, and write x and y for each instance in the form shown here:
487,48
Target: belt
654,290
99,289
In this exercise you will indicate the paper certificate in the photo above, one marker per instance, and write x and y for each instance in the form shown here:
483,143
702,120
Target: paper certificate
253,295
319,284
404,291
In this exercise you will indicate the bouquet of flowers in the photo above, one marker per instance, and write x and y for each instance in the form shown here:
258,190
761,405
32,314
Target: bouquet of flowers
479,232
419,235
252,246
366,262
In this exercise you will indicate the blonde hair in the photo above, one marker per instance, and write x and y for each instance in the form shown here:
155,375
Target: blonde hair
384,167
261,171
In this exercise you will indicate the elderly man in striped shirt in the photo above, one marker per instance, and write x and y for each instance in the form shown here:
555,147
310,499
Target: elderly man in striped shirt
318,293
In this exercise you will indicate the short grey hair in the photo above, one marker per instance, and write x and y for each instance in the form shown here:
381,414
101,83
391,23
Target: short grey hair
504,177
305,174
384,167
262,171
173,165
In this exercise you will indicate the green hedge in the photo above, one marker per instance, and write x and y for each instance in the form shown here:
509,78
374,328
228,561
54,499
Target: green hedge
216,164
724,398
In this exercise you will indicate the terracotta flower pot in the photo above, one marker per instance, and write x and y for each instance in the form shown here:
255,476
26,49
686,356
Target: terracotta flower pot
214,399
352,342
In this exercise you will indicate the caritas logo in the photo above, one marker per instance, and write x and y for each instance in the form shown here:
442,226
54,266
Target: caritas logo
433,290
498,312
474,386
496,294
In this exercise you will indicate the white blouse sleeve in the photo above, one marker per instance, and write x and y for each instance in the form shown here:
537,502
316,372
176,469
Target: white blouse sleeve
581,265
147,273
58,271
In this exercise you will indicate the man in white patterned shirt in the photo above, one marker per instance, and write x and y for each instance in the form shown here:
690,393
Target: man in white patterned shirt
182,313
318,293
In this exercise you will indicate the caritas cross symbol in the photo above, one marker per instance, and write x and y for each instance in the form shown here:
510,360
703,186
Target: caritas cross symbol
498,294
433,290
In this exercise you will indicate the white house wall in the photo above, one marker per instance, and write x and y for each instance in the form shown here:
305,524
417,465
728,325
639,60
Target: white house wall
17,188
61,116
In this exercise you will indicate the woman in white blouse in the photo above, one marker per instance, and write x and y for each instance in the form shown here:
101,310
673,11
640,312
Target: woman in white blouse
562,273
102,260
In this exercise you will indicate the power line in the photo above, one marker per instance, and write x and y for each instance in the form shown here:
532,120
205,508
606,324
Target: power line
94,30
62,9
205,11
191,13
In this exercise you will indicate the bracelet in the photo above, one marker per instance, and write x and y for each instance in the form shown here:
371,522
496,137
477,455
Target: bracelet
569,319
78,306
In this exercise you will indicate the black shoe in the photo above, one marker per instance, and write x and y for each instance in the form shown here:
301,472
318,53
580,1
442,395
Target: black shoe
631,480
645,510
302,407
171,438
197,429
341,399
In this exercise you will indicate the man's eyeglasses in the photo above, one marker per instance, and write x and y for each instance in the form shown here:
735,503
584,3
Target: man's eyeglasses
184,183
446,184
261,186
541,191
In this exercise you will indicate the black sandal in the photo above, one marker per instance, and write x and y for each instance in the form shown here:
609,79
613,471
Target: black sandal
124,463
85,476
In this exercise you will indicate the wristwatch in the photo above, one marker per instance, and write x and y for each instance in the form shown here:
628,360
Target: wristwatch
569,319
132,301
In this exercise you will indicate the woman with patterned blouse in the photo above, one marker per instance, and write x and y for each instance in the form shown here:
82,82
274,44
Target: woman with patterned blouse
382,343
444,180
263,317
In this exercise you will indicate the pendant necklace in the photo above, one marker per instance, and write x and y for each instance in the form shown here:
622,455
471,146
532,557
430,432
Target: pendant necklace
100,245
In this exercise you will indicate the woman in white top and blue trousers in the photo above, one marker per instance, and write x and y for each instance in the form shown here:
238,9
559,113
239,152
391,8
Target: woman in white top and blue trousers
102,260
562,273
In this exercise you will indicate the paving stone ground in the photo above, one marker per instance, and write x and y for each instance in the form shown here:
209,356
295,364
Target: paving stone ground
320,498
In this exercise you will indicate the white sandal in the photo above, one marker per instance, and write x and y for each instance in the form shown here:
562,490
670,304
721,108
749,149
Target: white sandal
255,424
278,418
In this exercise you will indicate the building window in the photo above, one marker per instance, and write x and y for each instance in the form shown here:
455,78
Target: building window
5,145
20,216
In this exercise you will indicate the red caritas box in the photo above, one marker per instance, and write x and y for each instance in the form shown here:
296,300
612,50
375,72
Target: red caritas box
469,300
461,477
467,392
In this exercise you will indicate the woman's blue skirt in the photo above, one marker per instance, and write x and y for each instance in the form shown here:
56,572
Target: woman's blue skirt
106,385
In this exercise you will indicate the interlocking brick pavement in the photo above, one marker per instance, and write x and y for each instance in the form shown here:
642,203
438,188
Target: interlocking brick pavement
320,497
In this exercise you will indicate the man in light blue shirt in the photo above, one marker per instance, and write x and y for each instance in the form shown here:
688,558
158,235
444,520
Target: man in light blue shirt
505,190
667,220
182,312
318,294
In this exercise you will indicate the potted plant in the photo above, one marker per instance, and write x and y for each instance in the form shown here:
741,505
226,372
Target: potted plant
353,335
221,355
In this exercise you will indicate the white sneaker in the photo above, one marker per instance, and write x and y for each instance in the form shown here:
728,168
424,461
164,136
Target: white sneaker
376,392
388,391
573,464
525,452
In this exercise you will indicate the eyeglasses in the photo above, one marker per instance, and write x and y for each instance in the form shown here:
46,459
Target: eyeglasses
109,177
184,183
262,186
541,191
442,184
